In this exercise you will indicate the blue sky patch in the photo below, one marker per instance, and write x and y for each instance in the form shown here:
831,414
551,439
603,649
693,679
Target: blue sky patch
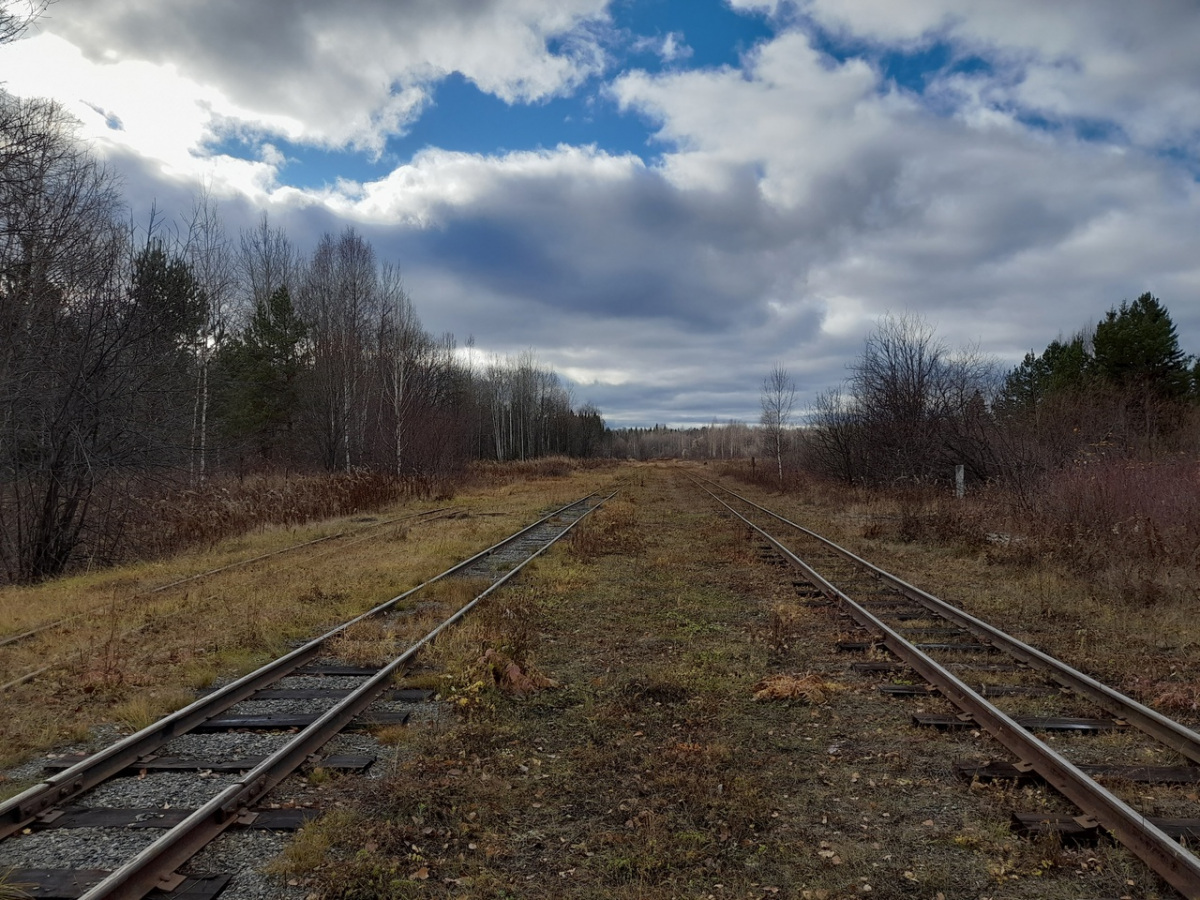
465,119
462,118
716,35
912,68
306,166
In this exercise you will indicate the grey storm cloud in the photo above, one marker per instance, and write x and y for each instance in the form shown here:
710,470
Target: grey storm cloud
637,249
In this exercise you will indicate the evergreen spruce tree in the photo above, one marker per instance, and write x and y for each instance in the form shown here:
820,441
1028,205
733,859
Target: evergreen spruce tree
262,372
1137,347
1063,366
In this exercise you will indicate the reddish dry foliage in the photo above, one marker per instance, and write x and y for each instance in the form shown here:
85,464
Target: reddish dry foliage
809,688
511,678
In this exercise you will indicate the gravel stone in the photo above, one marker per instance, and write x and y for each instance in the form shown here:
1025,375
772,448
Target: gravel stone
240,852
351,743
211,746
181,790
254,885
277,707
75,848
33,770
321,682
244,853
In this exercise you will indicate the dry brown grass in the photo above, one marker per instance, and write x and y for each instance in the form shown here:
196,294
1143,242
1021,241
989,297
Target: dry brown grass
227,506
612,529
11,889
127,645
491,473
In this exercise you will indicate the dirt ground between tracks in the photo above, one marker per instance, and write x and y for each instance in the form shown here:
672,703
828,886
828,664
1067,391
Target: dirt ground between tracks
650,770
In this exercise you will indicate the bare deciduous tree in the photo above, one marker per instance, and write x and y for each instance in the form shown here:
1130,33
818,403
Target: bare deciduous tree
835,443
17,15
895,385
778,401
106,347
403,349
340,302
76,349
911,410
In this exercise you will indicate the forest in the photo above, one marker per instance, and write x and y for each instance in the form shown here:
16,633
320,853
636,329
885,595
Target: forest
138,362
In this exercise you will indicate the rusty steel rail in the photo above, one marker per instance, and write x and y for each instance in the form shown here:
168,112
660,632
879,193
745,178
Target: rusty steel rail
1170,733
32,632
18,811
1175,864
145,871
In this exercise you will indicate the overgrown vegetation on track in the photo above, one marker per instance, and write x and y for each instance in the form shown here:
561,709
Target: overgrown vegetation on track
649,711
651,770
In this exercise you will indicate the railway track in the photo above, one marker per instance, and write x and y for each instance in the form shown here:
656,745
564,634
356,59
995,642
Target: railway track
166,837
1023,698
355,536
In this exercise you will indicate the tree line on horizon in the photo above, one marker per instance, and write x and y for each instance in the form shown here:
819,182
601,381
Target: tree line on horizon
913,409
167,355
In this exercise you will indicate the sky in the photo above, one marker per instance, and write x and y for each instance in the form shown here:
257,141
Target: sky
664,199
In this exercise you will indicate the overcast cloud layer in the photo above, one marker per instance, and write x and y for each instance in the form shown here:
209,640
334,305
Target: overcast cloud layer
1008,170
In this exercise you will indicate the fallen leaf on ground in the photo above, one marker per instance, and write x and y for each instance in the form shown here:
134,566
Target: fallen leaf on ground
510,677
811,688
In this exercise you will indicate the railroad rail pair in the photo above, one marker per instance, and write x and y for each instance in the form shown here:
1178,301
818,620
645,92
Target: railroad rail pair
155,864
1144,837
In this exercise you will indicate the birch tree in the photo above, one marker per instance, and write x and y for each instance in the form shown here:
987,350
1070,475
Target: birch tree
210,255
340,302
778,401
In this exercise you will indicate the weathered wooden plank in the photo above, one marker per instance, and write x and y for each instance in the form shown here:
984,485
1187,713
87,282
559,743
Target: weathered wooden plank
282,721
1033,723
1072,827
1000,771
284,819
341,763
57,883
401,695
972,647
855,646
933,631
68,884
1020,690
907,690
332,669
198,888
878,668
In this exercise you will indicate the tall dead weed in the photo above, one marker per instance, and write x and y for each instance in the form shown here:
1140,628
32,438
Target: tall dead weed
611,530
